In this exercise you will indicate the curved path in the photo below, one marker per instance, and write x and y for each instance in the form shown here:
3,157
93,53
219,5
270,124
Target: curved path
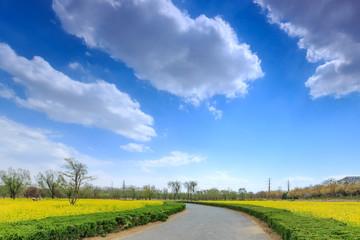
203,222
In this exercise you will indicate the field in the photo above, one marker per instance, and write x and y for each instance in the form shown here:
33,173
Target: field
26,209
347,212
57,219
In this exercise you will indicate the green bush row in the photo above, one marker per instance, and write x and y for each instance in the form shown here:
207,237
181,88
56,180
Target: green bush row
291,226
87,225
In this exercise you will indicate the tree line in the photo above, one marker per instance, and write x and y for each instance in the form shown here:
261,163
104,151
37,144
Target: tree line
51,183
328,189
73,183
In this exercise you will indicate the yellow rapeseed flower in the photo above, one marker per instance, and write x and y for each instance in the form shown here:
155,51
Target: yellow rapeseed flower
347,212
26,209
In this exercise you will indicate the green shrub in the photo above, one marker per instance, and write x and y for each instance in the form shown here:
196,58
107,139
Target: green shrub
291,226
87,225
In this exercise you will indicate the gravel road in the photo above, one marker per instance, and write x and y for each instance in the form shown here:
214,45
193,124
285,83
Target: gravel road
203,223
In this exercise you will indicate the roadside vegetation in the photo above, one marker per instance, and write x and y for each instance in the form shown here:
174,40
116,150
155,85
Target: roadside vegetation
294,226
87,225
346,212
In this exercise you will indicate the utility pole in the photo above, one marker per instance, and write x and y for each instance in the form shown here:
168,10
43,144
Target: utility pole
269,187
123,190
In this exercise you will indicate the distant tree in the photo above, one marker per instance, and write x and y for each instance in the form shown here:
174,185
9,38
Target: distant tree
165,194
30,192
188,189
261,194
95,191
149,191
116,193
251,195
51,181
76,175
352,189
193,185
132,191
85,191
242,193
175,186
15,181
3,192
214,194
158,194
225,194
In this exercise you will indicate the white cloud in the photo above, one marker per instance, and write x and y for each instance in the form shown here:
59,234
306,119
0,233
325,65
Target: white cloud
215,112
98,104
175,159
328,30
75,65
6,92
135,147
191,58
22,146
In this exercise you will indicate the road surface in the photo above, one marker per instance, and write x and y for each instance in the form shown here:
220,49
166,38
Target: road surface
203,223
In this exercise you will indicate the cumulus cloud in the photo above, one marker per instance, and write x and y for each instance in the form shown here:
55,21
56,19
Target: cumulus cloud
97,104
135,147
175,159
329,32
191,58
21,146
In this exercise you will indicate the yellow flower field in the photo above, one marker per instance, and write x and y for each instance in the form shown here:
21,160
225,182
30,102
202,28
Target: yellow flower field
348,212
26,209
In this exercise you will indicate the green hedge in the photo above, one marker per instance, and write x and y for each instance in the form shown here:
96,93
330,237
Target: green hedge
291,226
87,225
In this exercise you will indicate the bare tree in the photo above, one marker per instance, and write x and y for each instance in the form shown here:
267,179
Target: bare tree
165,193
51,180
193,185
188,189
175,186
14,181
76,174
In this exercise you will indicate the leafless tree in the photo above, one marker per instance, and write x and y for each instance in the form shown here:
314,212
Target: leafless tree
76,175
175,187
52,181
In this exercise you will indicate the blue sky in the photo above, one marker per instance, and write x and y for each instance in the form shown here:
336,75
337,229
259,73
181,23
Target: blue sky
227,93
